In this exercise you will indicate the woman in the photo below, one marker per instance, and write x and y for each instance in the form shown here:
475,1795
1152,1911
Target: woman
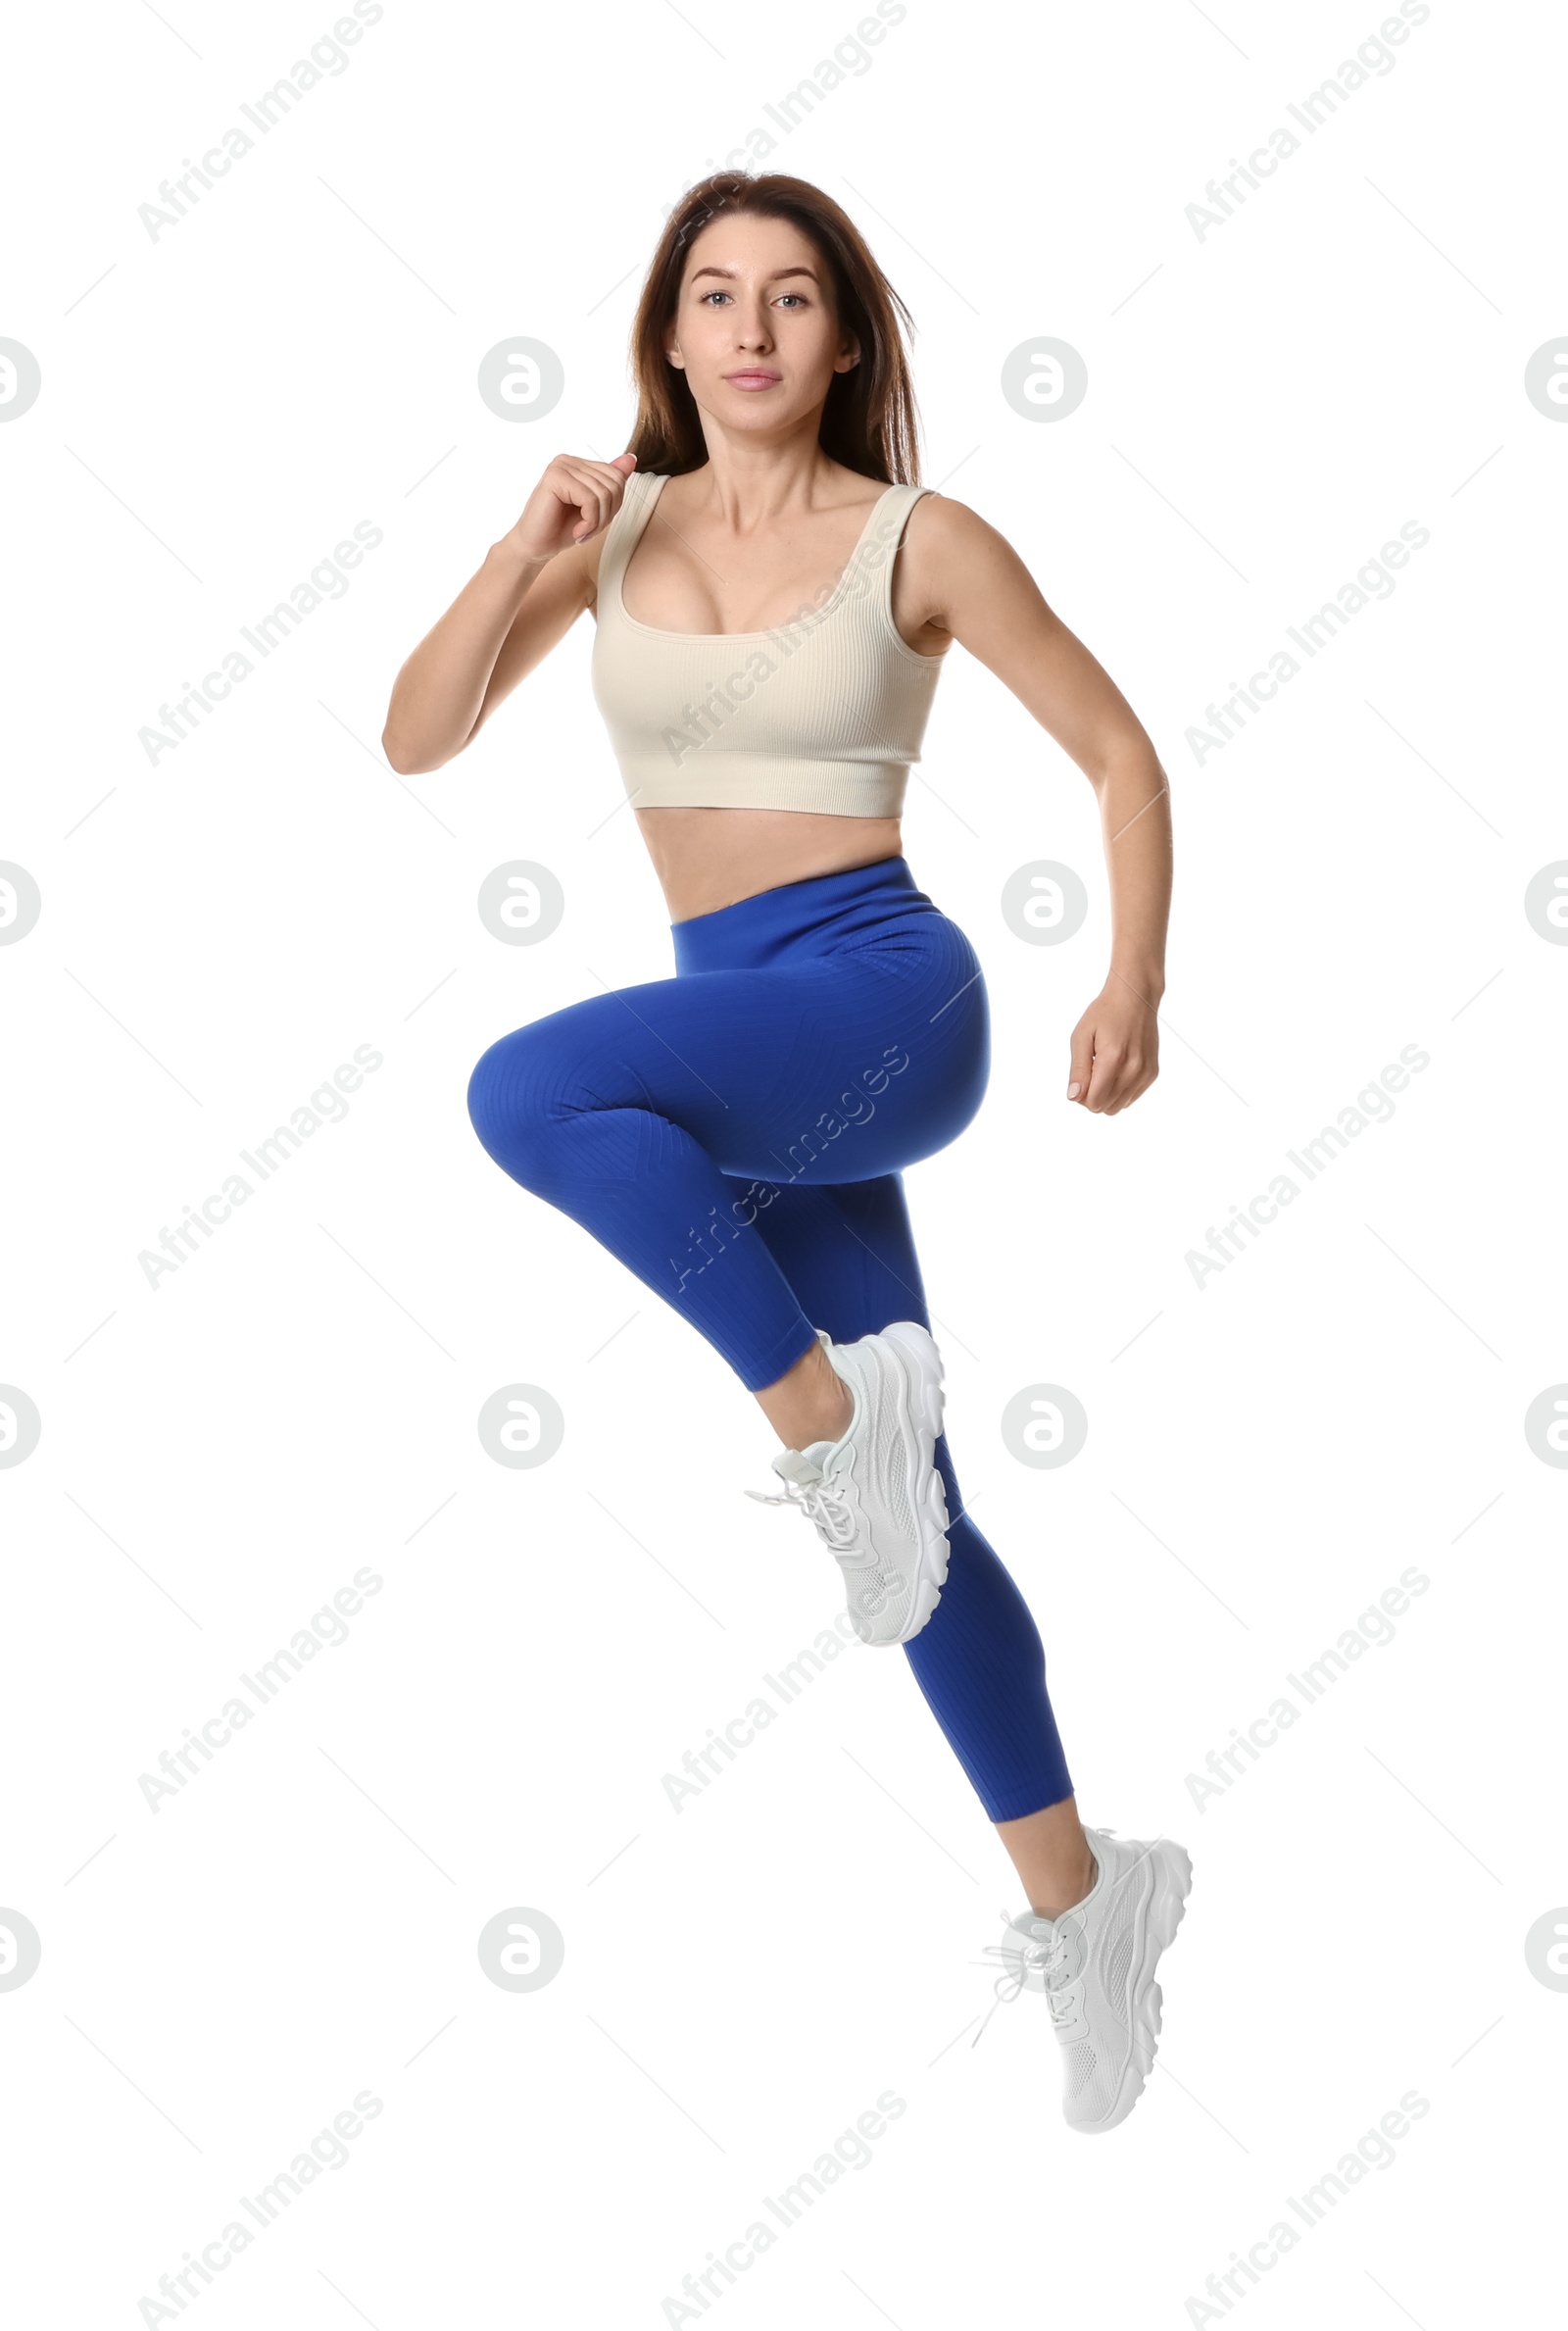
773,604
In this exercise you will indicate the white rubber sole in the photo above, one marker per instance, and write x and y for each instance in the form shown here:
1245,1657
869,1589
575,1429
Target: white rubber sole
921,1363
1162,1916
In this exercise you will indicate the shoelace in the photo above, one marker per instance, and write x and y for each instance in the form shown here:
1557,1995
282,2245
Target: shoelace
1051,1956
826,1505
1020,1959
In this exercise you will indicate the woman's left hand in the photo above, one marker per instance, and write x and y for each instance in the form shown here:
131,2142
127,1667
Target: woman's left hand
1115,1050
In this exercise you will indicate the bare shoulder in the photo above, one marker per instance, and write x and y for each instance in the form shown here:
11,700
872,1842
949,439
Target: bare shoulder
946,528
954,560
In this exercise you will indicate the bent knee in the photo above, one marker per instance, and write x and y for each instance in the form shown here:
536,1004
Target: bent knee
514,1105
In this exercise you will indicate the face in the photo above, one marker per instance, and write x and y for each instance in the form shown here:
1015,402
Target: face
755,328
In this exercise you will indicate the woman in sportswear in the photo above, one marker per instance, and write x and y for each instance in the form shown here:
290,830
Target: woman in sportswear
773,604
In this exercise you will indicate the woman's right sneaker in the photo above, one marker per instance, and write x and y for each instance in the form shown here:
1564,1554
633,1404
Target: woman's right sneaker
875,1495
1096,1966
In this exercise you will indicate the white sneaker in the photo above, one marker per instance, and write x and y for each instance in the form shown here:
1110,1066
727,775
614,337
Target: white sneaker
875,1495
1096,1966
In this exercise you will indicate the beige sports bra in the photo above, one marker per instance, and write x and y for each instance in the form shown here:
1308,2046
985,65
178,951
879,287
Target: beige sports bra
825,712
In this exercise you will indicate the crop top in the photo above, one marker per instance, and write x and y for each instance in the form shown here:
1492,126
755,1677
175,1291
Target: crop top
825,712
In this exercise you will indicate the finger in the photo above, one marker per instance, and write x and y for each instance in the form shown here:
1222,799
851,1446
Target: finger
609,497
595,489
584,465
1105,1079
1129,1083
1080,1061
596,504
607,474
1135,1090
1140,1066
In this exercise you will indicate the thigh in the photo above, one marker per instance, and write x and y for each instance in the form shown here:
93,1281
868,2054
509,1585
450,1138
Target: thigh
828,1069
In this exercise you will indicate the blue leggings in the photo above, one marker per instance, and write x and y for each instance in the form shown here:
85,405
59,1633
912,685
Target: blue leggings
735,1136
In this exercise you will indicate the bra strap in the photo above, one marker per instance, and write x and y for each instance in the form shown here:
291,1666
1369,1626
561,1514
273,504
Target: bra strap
624,534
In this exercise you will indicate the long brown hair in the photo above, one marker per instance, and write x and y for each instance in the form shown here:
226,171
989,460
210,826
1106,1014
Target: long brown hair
868,422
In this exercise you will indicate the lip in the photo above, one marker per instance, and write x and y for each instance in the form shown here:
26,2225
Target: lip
754,376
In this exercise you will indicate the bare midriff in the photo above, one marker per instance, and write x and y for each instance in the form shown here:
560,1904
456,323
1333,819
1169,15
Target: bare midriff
707,859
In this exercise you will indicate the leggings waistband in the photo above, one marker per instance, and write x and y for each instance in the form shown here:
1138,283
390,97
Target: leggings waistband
814,917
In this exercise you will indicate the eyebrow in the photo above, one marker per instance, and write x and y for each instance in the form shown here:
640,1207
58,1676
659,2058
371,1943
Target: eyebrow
778,275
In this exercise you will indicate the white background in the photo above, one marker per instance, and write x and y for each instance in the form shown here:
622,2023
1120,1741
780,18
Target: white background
743,1979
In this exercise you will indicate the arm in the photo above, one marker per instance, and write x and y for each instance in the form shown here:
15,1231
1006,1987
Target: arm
533,585
981,591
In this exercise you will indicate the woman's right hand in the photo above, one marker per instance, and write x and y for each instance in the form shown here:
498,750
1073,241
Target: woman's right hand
573,500
505,619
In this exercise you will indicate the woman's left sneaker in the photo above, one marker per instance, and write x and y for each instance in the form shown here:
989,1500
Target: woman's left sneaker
875,1495
1096,1966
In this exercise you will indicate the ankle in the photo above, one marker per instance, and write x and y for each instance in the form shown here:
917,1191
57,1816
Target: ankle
811,1403
1068,1891
828,1415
